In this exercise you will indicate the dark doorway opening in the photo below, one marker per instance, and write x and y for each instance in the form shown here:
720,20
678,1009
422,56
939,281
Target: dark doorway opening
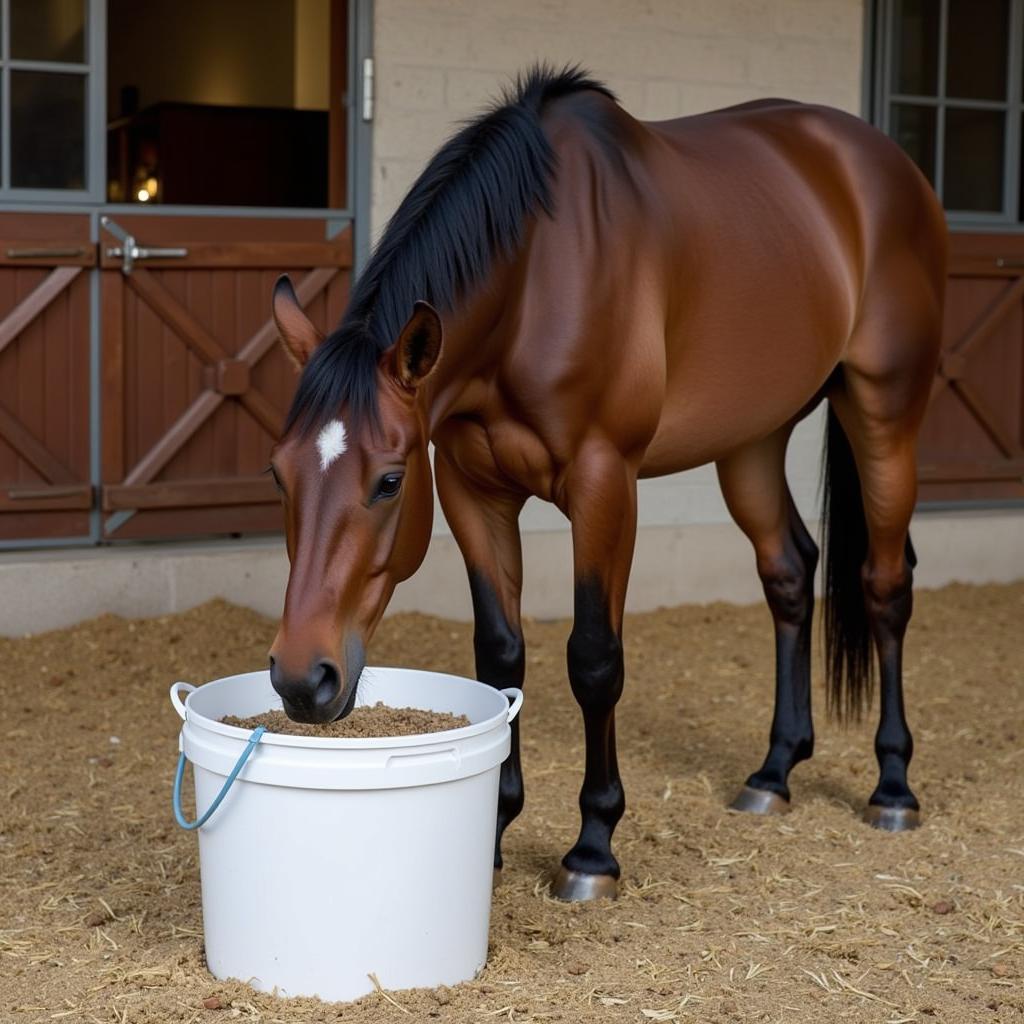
235,103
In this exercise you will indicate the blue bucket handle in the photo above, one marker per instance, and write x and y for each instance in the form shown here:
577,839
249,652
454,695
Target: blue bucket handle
179,817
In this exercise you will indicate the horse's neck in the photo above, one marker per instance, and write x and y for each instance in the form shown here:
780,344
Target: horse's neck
472,351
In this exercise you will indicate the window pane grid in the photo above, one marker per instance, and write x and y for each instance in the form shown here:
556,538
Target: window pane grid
48,65
1013,118
940,117
5,92
961,119
937,101
46,100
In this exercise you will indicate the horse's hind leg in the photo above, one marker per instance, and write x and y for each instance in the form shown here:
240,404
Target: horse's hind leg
754,486
879,397
884,451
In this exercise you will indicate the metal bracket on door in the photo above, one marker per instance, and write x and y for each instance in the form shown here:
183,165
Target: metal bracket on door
129,251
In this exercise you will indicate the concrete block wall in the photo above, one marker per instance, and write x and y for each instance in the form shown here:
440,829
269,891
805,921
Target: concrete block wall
440,61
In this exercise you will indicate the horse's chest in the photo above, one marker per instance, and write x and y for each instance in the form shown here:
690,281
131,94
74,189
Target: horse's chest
501,452
523,457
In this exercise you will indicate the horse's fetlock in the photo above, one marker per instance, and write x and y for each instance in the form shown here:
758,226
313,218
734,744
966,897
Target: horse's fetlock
803,749
607,804
897,746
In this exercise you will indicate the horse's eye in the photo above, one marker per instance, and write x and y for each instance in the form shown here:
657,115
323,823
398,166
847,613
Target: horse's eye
389,486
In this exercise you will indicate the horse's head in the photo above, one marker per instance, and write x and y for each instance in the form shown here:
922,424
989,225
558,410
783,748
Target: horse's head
358,500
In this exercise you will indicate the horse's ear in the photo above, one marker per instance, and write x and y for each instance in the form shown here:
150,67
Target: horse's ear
415,353
298,334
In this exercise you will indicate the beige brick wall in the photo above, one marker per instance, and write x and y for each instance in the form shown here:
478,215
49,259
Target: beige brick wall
439,61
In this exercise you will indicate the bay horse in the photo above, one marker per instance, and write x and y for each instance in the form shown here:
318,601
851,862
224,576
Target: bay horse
568,300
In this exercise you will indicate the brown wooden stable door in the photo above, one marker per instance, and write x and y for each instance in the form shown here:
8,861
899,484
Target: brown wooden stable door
45,490
194,383
972,442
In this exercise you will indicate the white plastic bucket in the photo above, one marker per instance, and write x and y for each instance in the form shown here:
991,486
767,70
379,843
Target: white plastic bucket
333,859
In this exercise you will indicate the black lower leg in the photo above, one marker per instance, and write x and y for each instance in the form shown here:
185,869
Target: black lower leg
789,590
889,607
500,662
596,674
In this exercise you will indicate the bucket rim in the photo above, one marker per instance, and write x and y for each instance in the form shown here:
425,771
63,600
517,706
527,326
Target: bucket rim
234,732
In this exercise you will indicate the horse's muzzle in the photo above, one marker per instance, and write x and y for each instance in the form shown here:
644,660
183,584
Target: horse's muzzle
319,696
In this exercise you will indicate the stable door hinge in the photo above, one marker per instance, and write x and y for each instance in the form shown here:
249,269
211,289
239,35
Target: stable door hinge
367,88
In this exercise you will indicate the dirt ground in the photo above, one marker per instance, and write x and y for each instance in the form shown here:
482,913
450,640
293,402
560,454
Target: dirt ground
809,918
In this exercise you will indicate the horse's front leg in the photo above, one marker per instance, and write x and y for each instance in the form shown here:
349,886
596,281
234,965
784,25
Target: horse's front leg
601,501
485,523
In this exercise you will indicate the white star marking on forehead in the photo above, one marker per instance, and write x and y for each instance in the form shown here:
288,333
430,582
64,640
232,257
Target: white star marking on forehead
330,443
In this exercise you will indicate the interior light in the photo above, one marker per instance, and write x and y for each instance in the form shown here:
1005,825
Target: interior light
143,195
151,186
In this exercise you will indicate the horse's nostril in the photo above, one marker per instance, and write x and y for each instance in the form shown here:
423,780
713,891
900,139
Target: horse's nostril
277,679
310,696
327,682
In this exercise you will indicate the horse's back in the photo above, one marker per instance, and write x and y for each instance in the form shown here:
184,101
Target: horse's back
800,151
785,225
719,266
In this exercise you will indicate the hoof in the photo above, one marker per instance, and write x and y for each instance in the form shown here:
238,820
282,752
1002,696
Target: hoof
892,819
575,886
759,801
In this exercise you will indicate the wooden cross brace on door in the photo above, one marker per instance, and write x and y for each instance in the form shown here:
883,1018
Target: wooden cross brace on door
952,374
62,487
225,376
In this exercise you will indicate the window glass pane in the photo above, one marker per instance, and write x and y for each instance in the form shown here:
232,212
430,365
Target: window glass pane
976,48
47,130
914,129
915,50
973,167
48,30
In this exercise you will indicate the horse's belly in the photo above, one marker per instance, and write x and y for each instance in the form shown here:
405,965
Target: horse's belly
713,409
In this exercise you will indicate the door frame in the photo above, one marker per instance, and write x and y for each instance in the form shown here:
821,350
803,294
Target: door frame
356,211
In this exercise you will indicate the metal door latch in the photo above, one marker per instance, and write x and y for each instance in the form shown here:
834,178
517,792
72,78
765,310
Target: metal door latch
129,250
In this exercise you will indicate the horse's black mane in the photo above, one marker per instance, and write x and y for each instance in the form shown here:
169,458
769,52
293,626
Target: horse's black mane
466,209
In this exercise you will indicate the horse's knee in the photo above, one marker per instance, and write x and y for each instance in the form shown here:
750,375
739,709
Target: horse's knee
595,668
786,578
500,655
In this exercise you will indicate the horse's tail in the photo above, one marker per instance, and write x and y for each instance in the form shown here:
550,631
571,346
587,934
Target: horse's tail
844,534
